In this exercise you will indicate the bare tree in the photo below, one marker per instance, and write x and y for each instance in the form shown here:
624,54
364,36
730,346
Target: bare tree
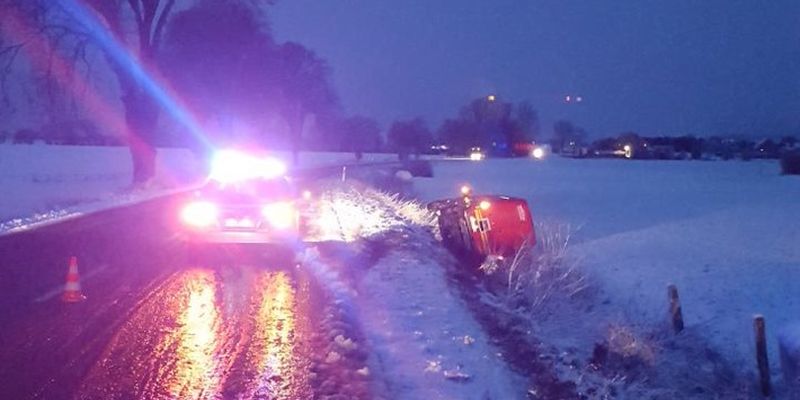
567,135
129,33
225,61
359,134
114,26
9,50
304,88
491,123
39,27
150,18
527,119
410,136
8,53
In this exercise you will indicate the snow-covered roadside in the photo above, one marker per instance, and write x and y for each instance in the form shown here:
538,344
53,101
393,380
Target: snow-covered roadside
390,272
724,232
42,184
427,340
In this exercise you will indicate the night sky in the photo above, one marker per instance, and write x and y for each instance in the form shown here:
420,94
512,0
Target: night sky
651,66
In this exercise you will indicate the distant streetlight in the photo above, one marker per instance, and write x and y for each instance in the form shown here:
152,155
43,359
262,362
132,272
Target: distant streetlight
491,98
573,99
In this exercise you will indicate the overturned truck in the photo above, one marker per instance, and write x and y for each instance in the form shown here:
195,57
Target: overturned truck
475,227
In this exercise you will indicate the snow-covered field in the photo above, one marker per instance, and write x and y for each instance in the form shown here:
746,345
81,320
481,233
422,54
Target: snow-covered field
43,183
726,233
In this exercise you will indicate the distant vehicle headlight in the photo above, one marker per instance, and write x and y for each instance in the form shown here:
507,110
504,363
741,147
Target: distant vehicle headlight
476,156
280,215
538,153
230,166
199,214
628,151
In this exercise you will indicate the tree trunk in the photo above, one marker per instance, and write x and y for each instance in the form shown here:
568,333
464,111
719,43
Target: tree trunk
141,116
296,122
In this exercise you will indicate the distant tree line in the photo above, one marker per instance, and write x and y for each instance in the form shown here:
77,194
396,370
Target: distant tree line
691,147
493,125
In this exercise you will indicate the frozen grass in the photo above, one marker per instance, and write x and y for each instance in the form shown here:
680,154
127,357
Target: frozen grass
347,212
604,353
540,274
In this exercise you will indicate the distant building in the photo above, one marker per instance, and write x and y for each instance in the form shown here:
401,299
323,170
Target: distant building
661,151
574,149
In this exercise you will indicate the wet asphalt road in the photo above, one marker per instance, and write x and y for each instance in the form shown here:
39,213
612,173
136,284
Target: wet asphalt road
152,325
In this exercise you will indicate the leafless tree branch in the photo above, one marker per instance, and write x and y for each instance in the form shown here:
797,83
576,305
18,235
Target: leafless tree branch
137,11
8,53
161,23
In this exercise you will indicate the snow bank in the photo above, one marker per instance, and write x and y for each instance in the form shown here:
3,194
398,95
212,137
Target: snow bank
725,232
427,340
46,183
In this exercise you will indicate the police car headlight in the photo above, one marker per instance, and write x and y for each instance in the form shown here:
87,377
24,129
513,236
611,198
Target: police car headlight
280,215
199,214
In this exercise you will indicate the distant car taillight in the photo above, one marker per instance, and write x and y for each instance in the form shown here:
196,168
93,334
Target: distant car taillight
200,214
280,215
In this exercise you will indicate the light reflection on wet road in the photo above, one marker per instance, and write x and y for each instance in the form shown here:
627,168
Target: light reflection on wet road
198,340
209,334
155,328
274,347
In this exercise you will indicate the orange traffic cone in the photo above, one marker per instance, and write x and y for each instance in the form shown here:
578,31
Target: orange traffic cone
72,290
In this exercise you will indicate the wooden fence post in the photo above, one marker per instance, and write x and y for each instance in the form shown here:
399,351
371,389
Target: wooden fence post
675,312
759,327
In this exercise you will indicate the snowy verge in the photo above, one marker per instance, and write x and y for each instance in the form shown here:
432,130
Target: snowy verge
389,271
87,206
426,338
47,184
